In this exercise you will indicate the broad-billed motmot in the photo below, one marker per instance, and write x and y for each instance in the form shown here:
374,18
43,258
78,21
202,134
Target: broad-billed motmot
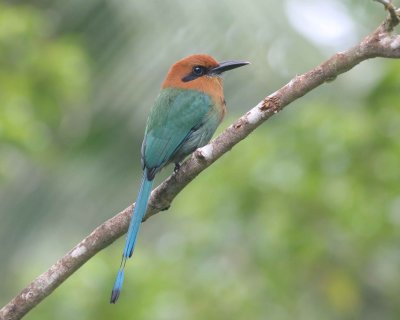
184,117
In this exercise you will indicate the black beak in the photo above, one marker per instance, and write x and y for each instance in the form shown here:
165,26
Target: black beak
227,65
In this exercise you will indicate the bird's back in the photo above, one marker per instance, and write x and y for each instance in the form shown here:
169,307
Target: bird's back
181,121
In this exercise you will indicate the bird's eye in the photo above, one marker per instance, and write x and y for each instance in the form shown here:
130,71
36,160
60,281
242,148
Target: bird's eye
199,70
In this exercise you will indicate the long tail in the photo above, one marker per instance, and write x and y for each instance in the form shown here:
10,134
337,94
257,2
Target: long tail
136,220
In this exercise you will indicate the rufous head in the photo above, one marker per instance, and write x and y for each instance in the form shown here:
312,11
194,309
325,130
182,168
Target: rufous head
200,72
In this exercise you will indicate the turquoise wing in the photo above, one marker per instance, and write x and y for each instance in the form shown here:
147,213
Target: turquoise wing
180,122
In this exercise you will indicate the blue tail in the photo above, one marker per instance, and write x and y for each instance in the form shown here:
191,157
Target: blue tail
136,220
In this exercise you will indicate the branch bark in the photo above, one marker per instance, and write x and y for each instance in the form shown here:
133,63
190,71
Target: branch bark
380,43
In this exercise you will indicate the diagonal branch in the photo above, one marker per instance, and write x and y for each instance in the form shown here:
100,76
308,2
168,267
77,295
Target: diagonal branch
380,43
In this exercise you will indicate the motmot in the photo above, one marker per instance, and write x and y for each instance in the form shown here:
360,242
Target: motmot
184,117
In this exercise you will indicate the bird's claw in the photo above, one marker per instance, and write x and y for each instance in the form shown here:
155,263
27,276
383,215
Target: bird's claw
177,167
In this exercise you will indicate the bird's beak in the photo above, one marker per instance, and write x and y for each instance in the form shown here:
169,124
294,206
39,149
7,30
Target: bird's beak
227,65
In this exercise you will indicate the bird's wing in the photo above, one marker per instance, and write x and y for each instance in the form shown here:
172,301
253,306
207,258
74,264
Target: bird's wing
175,116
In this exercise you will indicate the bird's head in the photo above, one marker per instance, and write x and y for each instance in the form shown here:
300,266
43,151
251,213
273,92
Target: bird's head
199,72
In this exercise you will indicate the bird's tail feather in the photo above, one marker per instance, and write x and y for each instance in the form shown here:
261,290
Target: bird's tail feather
138,213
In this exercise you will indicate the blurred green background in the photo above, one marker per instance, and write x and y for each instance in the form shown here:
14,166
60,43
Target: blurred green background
299,221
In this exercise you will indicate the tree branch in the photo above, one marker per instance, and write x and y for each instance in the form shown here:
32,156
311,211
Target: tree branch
380,43
393,20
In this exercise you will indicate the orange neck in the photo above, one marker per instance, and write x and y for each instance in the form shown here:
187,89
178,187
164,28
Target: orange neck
208,85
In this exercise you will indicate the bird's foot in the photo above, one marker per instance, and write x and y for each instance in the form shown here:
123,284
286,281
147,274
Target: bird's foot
177,167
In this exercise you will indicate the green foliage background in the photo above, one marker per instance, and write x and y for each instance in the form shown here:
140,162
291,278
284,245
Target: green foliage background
299,221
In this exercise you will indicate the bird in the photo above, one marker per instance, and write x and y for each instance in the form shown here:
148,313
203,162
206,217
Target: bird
184,117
